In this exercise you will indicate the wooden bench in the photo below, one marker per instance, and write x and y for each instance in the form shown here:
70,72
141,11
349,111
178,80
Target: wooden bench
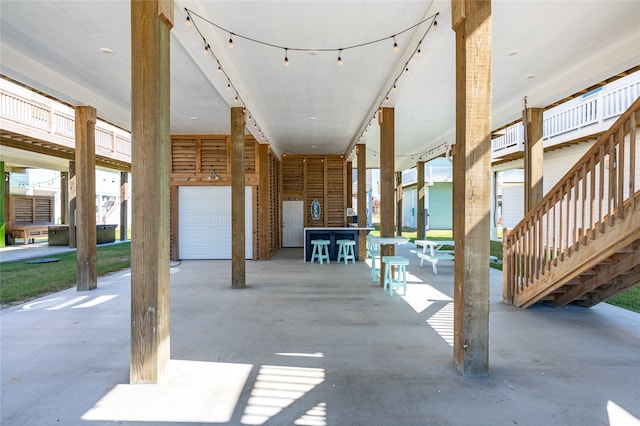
28,216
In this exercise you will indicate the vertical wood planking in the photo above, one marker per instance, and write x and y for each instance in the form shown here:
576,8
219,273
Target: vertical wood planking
264,206
86,261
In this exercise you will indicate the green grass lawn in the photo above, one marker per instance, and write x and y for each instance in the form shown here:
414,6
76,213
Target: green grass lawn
22,281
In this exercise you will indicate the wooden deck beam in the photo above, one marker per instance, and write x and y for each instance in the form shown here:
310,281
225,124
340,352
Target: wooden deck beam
238,243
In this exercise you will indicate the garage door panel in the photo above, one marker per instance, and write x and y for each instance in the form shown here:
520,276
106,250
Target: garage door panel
204,222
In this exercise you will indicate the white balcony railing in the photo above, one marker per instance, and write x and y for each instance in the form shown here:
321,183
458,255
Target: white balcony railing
586,115
54,125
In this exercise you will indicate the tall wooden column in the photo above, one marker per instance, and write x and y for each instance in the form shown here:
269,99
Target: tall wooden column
64,197
86,261
2,205
71,219
124,206
471,20
361,152
386,120
238,243
533,157
399,206
349,182
420,217
151,22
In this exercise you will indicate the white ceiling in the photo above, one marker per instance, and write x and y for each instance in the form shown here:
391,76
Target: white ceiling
315,106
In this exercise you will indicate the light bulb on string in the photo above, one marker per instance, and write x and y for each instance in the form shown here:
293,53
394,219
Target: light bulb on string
395,87
395,45
435,25
406,70
187,21
228,86
386,99
419,51
286,57
230,41
206,49
219,68
340,57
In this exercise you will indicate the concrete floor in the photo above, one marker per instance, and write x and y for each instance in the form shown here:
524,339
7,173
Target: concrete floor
307,344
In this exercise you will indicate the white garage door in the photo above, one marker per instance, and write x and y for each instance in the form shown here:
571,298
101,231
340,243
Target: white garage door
204,222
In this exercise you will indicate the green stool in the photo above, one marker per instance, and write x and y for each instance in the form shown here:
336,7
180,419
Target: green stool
345,251
320,251
400,263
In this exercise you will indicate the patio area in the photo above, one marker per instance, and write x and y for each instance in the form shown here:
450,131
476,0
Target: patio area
311,344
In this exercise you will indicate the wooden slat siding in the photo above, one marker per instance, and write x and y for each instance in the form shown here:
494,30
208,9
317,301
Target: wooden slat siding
349,184
292,176
314,187
326,193
183,155
593,217
336,202
263,206
274,202
29,209
250,155
213,156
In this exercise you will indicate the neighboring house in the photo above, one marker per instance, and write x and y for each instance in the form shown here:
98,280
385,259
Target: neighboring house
438,197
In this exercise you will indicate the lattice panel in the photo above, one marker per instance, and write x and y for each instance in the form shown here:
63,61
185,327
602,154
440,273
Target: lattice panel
292,175
43,210
183,155
213,155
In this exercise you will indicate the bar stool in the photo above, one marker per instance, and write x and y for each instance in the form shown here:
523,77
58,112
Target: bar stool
320,251
373,253
400,263
345,250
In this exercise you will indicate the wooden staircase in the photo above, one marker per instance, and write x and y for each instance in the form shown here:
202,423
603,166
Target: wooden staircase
581,243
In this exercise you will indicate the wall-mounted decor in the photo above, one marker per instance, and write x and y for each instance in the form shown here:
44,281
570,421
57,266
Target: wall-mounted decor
315,209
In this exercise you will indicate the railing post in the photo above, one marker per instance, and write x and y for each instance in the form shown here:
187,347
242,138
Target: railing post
507,278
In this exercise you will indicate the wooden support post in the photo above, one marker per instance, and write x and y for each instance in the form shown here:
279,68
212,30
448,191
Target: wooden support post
124,206
471,20
238,258
64,196
399,206
72,204
151,22
2,205
386,120
86,256
361,152
420,216
349,182
533,157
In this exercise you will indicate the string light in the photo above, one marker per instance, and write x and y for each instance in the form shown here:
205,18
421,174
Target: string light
417,52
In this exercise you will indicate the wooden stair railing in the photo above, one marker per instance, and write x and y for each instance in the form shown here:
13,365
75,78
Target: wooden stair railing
588,217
